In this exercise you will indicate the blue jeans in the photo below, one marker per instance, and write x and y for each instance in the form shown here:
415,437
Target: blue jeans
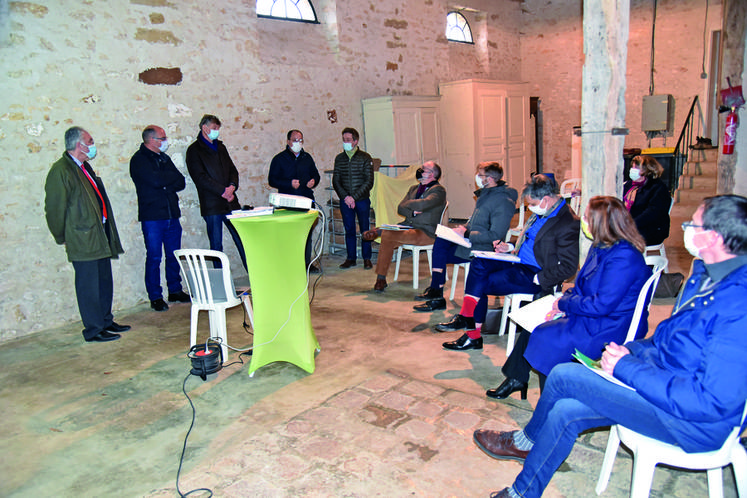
574,400
443,254
362,210
157,234
215,224
490,277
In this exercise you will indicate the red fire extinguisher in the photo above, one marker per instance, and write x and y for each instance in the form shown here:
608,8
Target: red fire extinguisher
730,133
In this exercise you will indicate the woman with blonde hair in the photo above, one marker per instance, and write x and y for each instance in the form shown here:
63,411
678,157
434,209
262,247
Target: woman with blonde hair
597,310
647,199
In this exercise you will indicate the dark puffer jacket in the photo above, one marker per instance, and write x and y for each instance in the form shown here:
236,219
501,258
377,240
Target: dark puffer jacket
353,176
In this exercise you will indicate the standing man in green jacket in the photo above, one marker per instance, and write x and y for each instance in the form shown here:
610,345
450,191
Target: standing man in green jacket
80,217
352,179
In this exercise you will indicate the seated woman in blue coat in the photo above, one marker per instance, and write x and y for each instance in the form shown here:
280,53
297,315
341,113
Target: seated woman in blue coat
598,309
648,199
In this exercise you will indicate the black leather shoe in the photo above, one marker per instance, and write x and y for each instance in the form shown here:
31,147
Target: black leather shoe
179,297
380,285
429,294
104,336
508,387
500,494
159,305
348,263
314,269
115,327
458,322
463,344
432,305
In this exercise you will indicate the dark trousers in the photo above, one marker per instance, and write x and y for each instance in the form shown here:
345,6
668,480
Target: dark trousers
94,289
158,235
489,277
362,211
215,224
516,366
443,254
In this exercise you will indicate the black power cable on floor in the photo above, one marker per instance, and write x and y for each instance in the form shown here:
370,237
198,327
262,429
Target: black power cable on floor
184,448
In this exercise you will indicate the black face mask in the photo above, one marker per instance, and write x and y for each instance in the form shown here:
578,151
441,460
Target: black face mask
419,174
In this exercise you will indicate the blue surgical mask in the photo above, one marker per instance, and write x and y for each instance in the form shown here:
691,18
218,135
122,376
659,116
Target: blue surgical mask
91,151
634,174
213,134
347,146
164,146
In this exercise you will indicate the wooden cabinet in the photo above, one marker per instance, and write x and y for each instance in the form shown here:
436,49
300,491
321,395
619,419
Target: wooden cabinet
402,129
482,120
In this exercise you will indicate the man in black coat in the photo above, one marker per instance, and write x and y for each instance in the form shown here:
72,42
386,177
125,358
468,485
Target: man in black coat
548,249
217,181
293,172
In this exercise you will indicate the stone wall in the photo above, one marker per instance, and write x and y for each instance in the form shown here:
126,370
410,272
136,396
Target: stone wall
552,61
73,62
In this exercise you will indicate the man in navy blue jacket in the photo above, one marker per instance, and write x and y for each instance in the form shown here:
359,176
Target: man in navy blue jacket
157,182
688,378
293,171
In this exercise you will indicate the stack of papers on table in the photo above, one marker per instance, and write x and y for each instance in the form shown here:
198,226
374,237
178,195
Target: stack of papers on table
449,234
257,211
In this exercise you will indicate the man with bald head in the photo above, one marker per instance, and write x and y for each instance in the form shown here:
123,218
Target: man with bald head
157,182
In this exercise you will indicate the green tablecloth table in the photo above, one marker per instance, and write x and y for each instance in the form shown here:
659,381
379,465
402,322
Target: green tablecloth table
274,246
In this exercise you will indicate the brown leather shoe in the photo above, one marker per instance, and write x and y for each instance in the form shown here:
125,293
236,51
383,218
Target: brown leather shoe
380,285
348,263
499,445
367,265
370,235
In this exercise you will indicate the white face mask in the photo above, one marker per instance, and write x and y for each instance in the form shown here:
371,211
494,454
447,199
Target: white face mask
164,146
296,147
539,211
634,174
347,146
689,238
478,182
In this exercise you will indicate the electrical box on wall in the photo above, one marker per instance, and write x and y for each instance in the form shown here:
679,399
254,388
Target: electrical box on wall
658,114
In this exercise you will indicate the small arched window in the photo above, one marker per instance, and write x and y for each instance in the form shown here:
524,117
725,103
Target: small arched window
457,28
291,10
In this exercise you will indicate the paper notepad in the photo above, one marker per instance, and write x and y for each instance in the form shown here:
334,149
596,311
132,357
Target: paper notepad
396,228
533,314
449,234
595,367
500,256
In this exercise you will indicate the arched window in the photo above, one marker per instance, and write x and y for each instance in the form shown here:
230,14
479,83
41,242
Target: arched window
291,10
457,28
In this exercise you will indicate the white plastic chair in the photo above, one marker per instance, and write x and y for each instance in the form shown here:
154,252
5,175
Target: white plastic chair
416,256
212,290
659,263
566,191
516,231
648,452
455,275
660,247
512,302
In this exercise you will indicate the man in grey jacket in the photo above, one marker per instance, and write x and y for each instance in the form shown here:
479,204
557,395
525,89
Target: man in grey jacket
352,180
491,219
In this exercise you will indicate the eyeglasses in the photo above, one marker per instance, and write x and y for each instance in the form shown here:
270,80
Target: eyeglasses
159,138
689,224
297,141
